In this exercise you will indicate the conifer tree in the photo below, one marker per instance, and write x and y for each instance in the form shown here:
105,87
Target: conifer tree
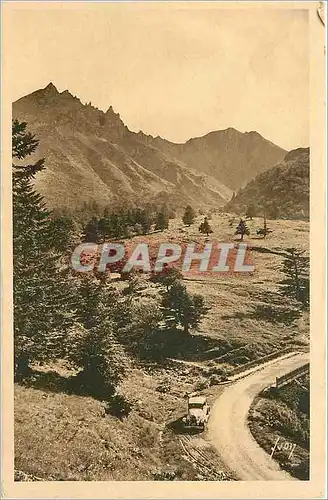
145,221
296,283
91,233
116,230
104,227
205,227
181,309
167,277
242,229
64,231
161,221
264,231
189,215
94,348
41,289
96,352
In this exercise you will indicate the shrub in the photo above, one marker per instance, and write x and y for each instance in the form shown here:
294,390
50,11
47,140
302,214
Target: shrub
215,380
148,436
163,475
164,386
201,384
119,406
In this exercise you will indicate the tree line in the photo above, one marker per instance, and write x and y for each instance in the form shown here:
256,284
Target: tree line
125,224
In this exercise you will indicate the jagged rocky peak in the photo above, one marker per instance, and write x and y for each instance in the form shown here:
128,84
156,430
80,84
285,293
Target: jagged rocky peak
114,122
111,112
50,95
51,89
51,92
66,93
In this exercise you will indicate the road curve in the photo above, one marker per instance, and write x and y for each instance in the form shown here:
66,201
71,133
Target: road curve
228,430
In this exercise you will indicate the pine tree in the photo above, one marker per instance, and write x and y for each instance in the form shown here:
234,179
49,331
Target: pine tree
264,231
41,289
242,229
145,221
181,309
94,348
64,231
189,216
167,277
130,218
205,228
91,233
296,284
116,230
104,227
161,221
100,358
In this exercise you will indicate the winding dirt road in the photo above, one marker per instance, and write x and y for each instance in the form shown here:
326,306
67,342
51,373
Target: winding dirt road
228,430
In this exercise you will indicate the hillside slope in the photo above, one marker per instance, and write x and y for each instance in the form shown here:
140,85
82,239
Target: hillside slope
281,191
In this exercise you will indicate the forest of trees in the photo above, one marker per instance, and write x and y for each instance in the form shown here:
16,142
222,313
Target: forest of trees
125,224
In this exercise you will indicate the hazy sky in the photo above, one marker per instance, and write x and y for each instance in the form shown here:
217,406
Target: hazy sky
173,72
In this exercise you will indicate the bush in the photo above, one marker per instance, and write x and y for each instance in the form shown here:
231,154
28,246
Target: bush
302,471
279,416
119,406
164,475
148,436
215,380
201,384
216,370
164,386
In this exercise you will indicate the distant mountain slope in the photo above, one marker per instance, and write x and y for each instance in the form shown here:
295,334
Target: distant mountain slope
281,191
227,155
92,156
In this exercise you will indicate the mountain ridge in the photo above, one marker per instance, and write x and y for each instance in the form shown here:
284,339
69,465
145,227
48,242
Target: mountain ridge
92,155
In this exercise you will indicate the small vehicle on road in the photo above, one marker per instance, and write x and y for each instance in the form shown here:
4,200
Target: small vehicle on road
198,412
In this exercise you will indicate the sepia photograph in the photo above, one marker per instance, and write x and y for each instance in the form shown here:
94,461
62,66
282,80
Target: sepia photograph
163,249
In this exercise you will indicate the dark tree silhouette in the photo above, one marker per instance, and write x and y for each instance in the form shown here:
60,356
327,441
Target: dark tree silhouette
189,216
296,283
205,228
181,309
242,229
42,292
